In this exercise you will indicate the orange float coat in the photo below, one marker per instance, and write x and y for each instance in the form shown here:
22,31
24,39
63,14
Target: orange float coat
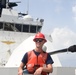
34,61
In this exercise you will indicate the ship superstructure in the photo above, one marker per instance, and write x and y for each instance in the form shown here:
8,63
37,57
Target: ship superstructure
14,28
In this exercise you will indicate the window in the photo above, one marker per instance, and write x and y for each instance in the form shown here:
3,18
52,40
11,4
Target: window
25,28
33,29
39,28
8,27
18,27
1,25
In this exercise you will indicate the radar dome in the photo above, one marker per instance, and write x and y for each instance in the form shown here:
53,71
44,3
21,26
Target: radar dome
28,18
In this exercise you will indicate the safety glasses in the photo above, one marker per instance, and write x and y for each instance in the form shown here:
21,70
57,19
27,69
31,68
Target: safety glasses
39,40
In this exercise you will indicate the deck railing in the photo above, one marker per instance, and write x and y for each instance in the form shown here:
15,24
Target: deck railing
56,71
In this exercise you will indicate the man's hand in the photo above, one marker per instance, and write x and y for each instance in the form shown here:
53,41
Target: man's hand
38,71
20,72
20,69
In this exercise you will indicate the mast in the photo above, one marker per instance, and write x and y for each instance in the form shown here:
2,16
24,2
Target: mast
7,1
27,7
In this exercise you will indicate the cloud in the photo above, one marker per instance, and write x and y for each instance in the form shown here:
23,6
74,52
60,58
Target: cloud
74,12
63,38
74,9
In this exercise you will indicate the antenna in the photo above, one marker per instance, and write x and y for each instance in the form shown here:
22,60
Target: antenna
7,3
27,6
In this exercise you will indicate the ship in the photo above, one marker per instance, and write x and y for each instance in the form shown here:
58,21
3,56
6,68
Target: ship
17,31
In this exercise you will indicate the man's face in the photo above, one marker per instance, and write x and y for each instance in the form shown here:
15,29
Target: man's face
39,42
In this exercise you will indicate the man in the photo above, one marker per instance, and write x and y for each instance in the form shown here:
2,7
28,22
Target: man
37,61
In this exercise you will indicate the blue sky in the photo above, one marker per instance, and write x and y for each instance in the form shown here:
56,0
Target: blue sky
59,21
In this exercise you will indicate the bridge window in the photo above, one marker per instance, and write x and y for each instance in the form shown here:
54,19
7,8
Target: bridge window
39,28
25,28
18,27
33,29
1,25
8,26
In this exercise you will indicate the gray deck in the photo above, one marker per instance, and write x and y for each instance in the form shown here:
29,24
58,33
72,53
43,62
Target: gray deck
56,71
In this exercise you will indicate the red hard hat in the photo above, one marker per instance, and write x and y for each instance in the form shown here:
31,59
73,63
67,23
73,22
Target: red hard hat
39,35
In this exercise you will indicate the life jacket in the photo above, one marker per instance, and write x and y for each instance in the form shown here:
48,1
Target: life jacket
34,61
